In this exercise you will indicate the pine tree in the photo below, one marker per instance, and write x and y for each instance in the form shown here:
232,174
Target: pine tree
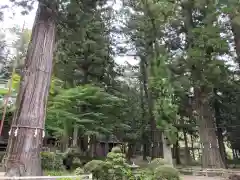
203,44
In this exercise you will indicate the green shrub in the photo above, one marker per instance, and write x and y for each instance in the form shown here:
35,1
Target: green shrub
71,151
117,165
97,168
157,162
116,149
58,173
76,163
166,172
114,167
79,171
51,161
54,173
143,174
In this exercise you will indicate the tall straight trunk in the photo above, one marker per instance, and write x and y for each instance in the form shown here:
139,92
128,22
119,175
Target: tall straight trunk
167,151
75,136
93,146
219,130
130,151
148,95
235,24
23,156
145,151
65,138
187,152
192,147
177,152
142,98
211,157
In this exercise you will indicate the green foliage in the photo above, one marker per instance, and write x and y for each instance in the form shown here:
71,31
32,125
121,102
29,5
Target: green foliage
98,117
144,174
165,103
54,173
97,168
85,42
166,172
58,173
114,167
156,163
76,163
79,171
117,165
116,149
179,44
52,161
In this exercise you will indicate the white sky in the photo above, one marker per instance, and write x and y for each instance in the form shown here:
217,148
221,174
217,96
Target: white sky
14,17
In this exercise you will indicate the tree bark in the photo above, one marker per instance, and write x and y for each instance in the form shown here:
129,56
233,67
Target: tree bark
235,25
148,94
187,152
145,151
130,151
220,130
75,136
24,145
211,157
177,153
192,147
142,98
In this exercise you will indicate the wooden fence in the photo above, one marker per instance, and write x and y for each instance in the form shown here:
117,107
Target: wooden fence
208,172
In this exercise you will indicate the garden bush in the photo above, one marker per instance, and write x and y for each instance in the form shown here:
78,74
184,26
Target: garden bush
143,174
114,167
156,163
79,171
117,165
166,172
58,173
52,161
54,173
97,168
76,163
116,149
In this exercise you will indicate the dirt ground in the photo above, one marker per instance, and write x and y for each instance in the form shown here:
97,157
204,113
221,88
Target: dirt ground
200,178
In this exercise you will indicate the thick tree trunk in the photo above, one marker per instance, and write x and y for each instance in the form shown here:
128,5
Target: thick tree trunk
211,157
24,145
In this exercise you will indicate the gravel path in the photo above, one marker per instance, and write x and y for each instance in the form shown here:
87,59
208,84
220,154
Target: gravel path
200,178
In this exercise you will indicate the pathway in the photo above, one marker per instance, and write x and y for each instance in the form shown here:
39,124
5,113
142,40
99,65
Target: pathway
200,178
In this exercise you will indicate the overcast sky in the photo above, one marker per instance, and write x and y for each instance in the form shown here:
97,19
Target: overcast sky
13,17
